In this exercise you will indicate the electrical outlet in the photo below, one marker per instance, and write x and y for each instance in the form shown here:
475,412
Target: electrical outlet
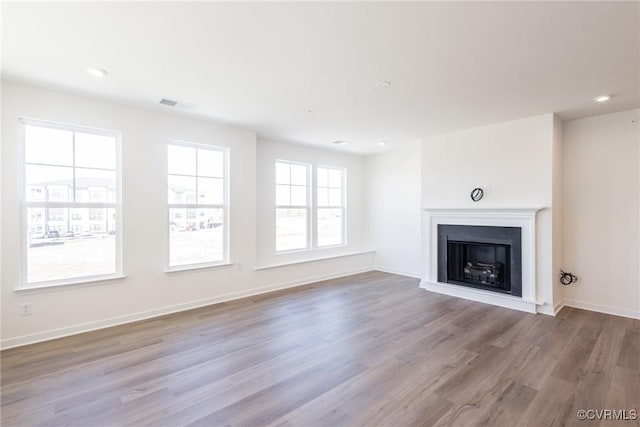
25,309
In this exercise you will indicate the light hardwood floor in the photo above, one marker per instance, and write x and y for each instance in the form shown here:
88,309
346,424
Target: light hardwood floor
365,350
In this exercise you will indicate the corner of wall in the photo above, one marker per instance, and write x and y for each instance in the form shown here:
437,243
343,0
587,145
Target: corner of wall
556,207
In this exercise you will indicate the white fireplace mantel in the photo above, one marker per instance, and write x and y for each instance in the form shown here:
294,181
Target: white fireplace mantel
525,218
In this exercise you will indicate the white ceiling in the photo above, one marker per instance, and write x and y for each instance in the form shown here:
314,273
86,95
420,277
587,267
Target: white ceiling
261,66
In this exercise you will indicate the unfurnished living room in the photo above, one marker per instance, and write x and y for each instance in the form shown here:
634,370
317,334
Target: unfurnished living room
320,214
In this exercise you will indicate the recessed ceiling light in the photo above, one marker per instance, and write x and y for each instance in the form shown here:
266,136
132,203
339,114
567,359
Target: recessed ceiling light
383,83
340,142
382,143
97,72
602,98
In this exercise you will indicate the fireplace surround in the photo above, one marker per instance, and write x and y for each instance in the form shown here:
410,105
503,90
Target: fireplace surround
522,219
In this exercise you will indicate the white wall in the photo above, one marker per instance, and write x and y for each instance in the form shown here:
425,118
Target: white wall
147,290
267,154
557,199
601,194
394,214
513,163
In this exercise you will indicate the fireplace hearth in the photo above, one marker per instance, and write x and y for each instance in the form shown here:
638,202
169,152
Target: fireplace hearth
481,257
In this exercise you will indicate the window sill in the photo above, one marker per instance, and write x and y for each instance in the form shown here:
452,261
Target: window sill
304,261
316,248
195,267
71,284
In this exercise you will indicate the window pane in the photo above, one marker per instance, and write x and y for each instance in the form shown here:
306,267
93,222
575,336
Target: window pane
330,227
291,229
335,178
95,186
95,151
298,196
53,183
322,177
211,163
182,189
335,197
210,191
283,173
50,146
182,160
196,236
323,196
283,195
299,174
66,243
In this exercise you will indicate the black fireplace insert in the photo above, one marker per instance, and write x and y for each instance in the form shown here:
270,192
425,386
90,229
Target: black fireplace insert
481,257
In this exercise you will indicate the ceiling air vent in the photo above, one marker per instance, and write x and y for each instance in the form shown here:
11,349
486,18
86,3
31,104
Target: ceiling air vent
170,103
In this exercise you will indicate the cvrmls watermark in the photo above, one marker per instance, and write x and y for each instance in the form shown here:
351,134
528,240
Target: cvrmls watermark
608,414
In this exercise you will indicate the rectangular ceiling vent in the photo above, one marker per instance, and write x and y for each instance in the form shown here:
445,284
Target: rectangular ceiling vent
170,103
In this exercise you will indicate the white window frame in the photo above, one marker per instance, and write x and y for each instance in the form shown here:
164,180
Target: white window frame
308,207
312,208
25,205
225,207
343,188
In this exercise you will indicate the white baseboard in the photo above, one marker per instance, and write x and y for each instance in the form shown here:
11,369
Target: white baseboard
398,271
607,309
559,306
119,320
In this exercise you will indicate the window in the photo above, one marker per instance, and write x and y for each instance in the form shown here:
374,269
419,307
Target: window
198,205
292,206
330,206
294,201
61,162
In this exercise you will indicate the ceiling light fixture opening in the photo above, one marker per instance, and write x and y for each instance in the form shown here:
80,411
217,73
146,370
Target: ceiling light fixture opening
382,143
602,98
97,72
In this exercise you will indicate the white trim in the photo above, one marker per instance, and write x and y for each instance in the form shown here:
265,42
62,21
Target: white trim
559,306
23,283
547,310
523,218
607,309
119,320
225,206
59,285
392,270
192,267
343,207
479,295
308,207
304,261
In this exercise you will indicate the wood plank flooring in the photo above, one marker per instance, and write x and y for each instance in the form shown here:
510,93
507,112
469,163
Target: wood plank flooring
366,350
